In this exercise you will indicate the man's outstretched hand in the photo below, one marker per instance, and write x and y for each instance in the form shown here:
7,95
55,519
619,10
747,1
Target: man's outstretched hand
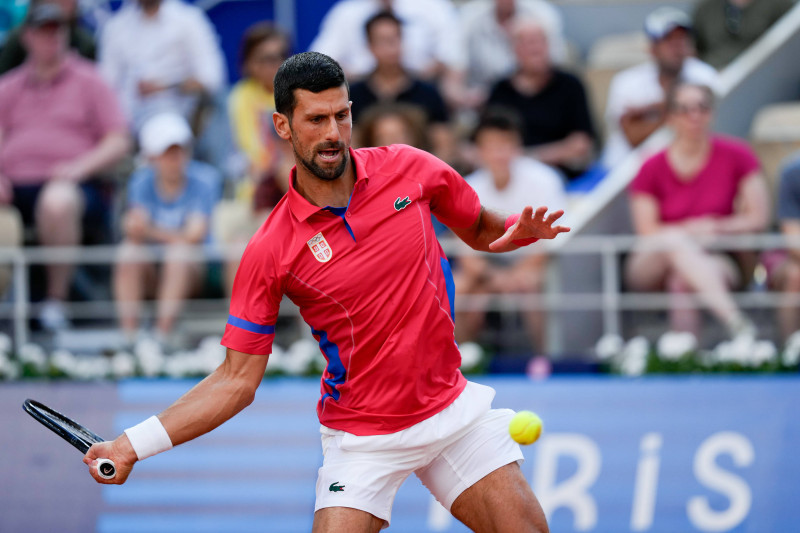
538,225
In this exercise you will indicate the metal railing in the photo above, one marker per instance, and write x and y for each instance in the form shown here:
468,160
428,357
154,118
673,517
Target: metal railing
609,299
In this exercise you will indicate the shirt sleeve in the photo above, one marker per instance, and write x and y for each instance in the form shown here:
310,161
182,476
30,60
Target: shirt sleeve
206,56
453,201
581,119
746,160
255,301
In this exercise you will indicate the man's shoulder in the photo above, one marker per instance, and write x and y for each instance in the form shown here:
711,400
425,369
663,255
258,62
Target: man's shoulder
393,158
630,76
697,71
14,79
528,168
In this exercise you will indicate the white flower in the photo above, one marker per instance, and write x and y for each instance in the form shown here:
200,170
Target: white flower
33,354
636,347
64,361
123,365
791,354
723,353
276,359
300,356
674,344
178,365
764,352
9,369
742,348
5,344
634,365
608,346
471,355
151,359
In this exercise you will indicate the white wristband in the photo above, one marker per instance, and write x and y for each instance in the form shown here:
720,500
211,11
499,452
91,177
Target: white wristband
149,438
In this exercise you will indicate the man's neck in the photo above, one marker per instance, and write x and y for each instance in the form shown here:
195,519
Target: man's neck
45,72
169,189
325,193
529,81
388,81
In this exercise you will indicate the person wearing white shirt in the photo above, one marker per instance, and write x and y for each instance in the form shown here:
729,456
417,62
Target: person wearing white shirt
161,55
486,30
507,181
636,96
432,45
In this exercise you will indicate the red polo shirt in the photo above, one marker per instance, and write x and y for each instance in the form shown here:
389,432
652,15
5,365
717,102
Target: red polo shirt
373,283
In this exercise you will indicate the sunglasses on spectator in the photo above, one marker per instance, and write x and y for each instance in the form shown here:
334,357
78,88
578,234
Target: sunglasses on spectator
686,109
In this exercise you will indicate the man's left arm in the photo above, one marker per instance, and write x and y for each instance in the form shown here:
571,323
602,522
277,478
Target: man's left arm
494,232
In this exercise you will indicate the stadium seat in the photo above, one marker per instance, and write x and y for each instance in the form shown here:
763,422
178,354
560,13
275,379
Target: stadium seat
607,56
775,135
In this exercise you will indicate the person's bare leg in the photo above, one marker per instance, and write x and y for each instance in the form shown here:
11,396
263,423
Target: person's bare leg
180,277
129,286
788,282
345,520
59,210
682,317
501,502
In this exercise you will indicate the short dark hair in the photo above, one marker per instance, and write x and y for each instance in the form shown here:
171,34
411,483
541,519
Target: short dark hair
258,33
310,71
672,93
498,118
385,15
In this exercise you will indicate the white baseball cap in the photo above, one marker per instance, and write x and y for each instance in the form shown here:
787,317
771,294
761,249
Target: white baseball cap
162,131
664,20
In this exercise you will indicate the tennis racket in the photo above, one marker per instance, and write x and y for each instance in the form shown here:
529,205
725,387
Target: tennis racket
70,431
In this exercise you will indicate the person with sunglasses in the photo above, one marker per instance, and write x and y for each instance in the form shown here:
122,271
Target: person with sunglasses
702,186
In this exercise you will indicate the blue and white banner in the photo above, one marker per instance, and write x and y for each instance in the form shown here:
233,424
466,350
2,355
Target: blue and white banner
700,454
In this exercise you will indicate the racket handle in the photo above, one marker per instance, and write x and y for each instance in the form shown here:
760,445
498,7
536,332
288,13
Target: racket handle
106,468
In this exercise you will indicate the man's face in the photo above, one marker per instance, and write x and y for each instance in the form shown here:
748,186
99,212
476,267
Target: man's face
497,149
320,130
386,43
671,51
531,49
46,44
170,165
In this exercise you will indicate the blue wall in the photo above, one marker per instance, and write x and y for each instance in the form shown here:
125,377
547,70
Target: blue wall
657,455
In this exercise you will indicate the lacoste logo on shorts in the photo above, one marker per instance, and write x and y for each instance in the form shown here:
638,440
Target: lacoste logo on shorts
320,248
335,487
401,203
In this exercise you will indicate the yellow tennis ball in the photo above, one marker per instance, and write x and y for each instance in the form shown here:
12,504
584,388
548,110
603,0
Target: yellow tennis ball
525,427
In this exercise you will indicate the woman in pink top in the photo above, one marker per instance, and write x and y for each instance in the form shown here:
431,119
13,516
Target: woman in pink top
700,187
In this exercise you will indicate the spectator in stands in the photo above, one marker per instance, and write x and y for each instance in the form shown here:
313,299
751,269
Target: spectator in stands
784,268
557,127
723,29
10,235
394,123
701,187
60,127
161,55
432,45
250,106
390,81
508,181
169,204
635,106
486,30
81,40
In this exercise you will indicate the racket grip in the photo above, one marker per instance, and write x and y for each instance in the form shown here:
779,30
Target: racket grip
106,468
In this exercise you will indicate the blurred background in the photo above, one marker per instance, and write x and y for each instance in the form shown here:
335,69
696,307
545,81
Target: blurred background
659,339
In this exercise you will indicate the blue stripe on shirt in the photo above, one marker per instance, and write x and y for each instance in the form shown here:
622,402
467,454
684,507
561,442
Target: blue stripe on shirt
250,326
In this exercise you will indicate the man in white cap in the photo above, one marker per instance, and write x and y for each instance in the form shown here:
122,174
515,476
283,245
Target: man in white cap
636,96
169,204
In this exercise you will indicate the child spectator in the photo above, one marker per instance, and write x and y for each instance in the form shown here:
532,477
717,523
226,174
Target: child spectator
169,204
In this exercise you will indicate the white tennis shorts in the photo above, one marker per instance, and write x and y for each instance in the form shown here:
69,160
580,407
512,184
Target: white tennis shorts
449,452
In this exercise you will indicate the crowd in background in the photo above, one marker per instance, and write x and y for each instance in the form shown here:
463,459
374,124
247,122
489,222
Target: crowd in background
117,139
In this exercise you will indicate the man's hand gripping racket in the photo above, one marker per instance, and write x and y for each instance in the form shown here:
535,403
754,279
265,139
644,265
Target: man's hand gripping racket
108,461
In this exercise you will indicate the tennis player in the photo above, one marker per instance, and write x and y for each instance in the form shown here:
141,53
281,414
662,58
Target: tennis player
353,246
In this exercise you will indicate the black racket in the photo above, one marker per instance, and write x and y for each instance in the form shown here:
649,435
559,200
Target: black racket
70,431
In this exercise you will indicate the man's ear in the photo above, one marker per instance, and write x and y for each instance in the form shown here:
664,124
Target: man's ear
282,126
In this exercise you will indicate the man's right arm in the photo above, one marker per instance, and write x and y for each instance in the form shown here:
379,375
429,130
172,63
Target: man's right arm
210,403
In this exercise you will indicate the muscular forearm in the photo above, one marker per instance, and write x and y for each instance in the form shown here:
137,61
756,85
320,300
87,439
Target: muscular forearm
209,404
488,228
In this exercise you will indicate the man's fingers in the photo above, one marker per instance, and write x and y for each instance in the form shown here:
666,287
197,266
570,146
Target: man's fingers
555,215
540,213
